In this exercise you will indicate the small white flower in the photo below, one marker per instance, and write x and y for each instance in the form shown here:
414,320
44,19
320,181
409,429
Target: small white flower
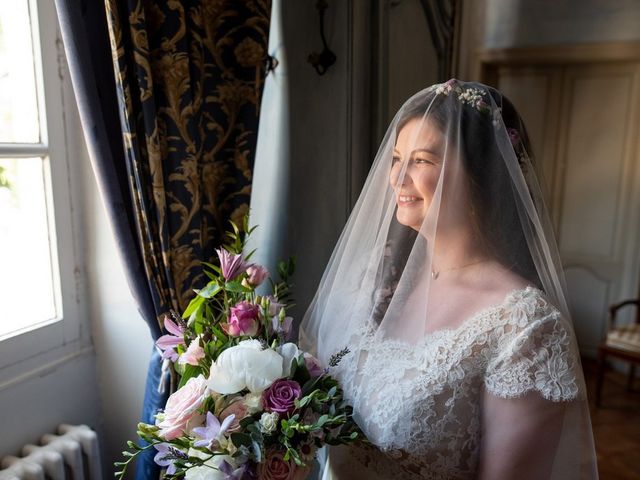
269,422
253,402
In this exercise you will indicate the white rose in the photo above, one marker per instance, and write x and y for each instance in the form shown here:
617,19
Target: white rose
289,351
205,472
246,365
269,422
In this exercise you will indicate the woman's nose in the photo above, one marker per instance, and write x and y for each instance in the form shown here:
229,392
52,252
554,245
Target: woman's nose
398,174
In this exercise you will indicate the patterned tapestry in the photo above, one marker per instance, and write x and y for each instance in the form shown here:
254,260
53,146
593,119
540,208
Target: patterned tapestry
189,76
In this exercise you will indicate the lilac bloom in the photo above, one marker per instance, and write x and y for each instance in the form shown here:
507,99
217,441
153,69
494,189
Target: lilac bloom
168,343
231,474
166,457
212,431
231,265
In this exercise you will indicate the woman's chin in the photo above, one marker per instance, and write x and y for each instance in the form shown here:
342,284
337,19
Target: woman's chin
409,220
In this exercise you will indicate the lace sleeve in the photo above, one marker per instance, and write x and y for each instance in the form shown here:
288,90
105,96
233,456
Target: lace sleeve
536,352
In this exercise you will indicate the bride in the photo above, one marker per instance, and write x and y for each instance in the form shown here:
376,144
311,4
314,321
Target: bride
442,309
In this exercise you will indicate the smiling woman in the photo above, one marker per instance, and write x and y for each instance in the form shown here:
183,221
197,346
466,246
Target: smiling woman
421,175
446,291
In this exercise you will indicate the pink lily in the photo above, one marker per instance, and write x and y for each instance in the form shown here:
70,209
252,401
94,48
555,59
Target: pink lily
231,264
168,343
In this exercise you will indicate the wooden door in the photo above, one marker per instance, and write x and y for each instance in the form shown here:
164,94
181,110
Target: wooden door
584,120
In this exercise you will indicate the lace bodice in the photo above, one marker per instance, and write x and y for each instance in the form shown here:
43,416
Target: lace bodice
421,403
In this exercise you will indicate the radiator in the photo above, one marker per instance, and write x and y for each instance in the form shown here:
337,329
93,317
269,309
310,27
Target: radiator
72,454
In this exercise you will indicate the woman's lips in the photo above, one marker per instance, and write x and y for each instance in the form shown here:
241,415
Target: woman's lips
407,200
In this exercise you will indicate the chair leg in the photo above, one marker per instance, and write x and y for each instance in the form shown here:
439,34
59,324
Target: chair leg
600,378
631,377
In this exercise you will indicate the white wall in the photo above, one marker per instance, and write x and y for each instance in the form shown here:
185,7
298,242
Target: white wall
121,338
519,23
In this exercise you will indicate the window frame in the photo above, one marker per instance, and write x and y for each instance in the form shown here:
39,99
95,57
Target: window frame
64,337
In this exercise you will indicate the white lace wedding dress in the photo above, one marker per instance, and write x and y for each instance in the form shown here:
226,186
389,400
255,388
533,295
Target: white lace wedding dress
424,401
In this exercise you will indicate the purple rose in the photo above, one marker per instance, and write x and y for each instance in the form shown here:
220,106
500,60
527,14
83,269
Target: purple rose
280,396
243,320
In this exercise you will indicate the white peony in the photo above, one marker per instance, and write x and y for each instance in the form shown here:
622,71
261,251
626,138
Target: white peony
205,472
247,365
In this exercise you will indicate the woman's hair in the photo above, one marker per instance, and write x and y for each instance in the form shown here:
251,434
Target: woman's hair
498,224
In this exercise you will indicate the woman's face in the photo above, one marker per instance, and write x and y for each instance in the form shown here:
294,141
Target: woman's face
420,145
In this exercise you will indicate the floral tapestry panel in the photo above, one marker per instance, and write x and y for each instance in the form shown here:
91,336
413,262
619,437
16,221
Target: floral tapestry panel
189,76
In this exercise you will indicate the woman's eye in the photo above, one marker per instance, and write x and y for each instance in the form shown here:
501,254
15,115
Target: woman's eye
395,160
423,160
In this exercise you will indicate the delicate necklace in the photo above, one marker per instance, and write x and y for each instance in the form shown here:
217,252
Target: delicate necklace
436,273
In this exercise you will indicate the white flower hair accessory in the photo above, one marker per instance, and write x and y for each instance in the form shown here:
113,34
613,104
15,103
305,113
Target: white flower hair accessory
474,97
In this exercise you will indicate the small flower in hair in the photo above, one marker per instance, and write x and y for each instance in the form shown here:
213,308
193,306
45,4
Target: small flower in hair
514,136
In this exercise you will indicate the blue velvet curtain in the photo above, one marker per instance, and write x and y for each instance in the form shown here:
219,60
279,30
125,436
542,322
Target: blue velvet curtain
168,93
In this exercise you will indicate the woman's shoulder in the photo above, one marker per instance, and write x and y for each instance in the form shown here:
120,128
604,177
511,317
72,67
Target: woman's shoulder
533,348
521,301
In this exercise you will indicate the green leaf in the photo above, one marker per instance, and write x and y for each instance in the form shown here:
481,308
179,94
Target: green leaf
190,371
210,290
322,420
250,254
193,305
236,287
241,439
213,267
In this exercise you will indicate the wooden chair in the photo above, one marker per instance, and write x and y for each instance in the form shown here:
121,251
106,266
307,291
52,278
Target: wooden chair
622,342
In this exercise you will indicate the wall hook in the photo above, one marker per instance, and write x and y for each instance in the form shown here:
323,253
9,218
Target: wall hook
323,60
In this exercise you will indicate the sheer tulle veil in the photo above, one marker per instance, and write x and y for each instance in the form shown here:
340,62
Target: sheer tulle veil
451,220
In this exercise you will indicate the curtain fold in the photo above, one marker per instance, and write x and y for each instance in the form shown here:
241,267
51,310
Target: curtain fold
170,113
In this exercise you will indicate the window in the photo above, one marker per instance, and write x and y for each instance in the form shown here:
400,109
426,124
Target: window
39,291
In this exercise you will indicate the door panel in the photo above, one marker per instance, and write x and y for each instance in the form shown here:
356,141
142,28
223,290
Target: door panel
584,126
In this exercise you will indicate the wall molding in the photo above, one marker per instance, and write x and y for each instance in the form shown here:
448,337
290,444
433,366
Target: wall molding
487,61
47,368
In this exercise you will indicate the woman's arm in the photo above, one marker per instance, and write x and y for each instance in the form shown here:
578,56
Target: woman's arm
520,436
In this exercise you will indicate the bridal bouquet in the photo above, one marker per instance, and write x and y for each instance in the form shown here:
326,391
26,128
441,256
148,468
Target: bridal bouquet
249,404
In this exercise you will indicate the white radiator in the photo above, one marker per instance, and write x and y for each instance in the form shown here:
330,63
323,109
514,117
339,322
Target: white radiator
72,454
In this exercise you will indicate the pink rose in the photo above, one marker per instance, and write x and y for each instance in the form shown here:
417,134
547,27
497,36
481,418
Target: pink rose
193,355
181,412
237,408
256,274
275,467
313,365
243,320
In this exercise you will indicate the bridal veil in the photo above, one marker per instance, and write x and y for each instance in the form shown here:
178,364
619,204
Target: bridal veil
451,223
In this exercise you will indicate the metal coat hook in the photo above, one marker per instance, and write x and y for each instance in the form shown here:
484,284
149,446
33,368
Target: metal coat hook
323,60
270,64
